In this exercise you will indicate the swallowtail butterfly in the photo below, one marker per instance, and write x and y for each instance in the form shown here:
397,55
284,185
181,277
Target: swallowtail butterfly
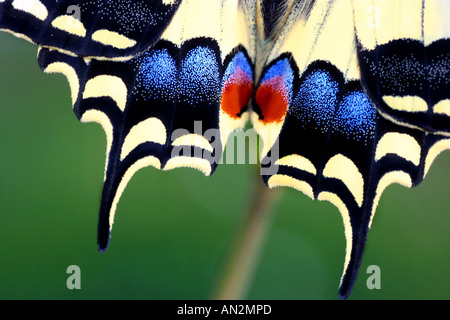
348,96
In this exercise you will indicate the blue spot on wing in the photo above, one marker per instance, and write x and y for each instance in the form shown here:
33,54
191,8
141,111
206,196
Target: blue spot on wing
356,116
323,103
199,77
196,80
158,74
316,100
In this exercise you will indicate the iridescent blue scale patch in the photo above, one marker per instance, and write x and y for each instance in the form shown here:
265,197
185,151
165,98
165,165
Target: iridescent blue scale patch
316,100
199,76
323,103
158,74
196,80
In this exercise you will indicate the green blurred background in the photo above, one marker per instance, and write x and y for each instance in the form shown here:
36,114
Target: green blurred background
173,230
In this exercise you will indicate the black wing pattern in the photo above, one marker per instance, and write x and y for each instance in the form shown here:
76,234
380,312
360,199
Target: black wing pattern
348,98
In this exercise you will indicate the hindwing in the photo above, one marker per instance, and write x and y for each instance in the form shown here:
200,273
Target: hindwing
323,132
172,106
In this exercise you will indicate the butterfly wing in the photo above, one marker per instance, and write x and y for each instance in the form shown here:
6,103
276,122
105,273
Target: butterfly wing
322,133
105,29
172,106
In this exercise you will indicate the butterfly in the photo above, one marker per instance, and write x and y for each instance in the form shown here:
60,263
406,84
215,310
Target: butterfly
346,99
